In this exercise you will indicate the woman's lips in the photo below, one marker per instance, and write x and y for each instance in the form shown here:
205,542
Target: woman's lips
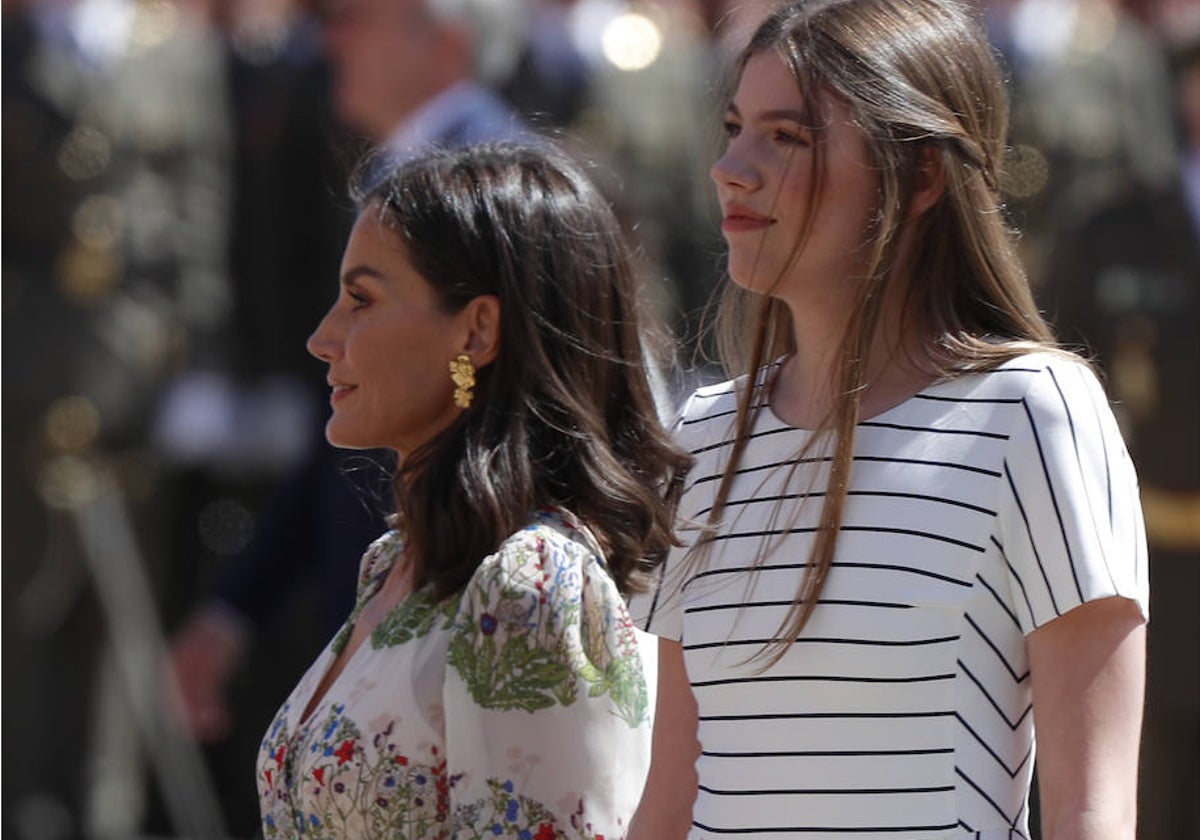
338,392
738,220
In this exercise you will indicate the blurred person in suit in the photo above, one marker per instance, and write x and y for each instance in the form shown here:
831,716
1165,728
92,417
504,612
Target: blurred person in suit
406,76
1126,283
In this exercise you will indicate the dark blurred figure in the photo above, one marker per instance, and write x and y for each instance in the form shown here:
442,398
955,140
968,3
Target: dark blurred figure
406,74
116,160
1091,113
1126,283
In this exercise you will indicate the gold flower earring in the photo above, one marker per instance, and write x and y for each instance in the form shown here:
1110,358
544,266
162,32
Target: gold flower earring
462,372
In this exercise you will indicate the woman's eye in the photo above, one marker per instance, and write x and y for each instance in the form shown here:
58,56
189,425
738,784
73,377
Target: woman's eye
732,129
791,138
359,300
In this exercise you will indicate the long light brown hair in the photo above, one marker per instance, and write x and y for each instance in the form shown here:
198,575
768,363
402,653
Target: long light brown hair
923,85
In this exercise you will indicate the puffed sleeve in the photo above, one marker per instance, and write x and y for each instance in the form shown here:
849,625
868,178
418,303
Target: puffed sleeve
548,695
1070,518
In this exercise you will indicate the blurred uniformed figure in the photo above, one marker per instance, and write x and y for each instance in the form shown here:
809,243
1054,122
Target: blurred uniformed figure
115,201
1126,283
1091,113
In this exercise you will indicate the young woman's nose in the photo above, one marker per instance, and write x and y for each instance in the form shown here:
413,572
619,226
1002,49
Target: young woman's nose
734,168
325,342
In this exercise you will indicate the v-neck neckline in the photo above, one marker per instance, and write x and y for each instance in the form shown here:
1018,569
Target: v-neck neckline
329,657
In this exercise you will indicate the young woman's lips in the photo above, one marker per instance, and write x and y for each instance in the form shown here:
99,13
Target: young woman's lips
738,220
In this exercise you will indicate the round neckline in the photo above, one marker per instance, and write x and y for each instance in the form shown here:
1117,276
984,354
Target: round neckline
874,418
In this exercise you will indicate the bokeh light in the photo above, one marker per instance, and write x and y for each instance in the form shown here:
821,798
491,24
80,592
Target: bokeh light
631,42
225,526
85,153
72,423
1026,172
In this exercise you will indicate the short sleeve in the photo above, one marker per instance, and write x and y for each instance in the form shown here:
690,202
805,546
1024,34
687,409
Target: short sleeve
548,695
659,610
1070,520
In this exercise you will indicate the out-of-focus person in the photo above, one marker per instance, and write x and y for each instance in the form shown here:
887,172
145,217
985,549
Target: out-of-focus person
1091,113
407,75
1125,282
116,171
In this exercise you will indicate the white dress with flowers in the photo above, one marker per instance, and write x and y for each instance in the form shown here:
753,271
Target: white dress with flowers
520,708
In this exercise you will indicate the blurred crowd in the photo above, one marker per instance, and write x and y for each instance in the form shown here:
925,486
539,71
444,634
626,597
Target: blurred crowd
178,541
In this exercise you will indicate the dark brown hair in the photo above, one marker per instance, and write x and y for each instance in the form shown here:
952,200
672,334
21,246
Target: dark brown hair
564,416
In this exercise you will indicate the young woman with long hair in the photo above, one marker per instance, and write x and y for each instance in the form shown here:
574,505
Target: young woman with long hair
912,535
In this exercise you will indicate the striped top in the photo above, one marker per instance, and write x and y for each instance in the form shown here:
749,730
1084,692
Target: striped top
979,509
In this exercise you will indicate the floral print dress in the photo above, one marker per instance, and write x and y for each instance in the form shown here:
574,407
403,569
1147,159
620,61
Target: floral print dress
520,708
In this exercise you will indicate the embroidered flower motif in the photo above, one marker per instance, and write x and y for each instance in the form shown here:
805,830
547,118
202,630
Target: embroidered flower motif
540,632
345,752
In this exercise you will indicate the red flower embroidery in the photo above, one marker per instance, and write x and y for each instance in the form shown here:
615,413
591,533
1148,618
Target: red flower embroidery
269,776
319,775
279,754
545,832
345,752
401,760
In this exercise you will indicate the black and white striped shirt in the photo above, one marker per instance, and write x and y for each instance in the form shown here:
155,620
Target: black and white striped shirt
978,510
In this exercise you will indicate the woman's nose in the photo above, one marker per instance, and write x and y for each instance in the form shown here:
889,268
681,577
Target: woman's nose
325,342
734,168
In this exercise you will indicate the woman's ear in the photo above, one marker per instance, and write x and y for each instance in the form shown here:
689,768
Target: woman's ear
930,181
482,319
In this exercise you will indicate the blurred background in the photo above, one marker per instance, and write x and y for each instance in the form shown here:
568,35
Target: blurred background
178,542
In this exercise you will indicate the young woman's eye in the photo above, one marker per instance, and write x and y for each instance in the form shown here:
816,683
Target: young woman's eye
791,138
731,129
359,299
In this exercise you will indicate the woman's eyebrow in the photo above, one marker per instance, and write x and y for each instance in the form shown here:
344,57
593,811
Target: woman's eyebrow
788,114
351,275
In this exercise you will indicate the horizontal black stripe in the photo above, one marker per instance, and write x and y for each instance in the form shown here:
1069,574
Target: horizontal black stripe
934,430
775,567
826,753
880,459
688,421
825,791
825,640
973,400
801,829
857,529
829,716
751,437
882,494
825,678
833,602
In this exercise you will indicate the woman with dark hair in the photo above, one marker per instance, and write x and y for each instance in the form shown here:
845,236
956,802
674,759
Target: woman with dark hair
914,529
489,681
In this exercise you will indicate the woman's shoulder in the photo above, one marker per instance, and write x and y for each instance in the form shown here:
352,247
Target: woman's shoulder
378,559
553,543
710,408
1026,376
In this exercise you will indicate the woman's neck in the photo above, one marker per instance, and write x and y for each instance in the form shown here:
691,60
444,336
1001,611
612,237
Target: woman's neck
807,388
